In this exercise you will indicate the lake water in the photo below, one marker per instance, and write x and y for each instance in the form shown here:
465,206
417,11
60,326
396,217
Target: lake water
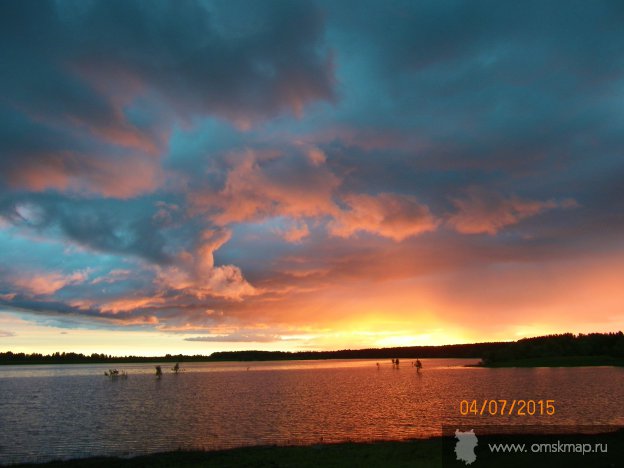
68,411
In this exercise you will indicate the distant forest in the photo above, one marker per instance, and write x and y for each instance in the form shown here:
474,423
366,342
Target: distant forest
563,345
606,345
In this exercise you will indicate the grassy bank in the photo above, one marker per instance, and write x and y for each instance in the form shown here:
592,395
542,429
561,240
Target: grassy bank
559,361
434,452
424,453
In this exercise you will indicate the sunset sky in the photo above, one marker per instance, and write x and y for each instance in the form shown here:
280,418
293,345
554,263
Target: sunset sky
186,177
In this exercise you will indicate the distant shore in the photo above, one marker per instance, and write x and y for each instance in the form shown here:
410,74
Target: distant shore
460,351
555,361
433,452
561,361
564,349
558,361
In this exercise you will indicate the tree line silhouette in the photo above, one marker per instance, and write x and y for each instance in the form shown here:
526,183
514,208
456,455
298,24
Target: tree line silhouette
95,358
562,345
605,345
472,350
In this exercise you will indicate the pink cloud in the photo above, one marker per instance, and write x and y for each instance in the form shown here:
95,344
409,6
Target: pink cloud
126,304
142,320
262,185
484,211
112,177
316,156
113,276
196,274
46,283
388,215
296,232
119,88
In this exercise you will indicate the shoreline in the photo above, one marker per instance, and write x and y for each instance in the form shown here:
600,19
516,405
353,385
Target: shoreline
429,452
584,361
208,361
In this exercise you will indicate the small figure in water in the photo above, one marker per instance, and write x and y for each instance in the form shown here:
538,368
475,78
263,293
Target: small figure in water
377,366
418,365
175,368
158,371
397,362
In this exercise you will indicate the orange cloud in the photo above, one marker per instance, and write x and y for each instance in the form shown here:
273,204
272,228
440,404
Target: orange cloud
111,177
196,274
265,185
316,156
296,232
129,304
484,211
46,283
389,215
113,276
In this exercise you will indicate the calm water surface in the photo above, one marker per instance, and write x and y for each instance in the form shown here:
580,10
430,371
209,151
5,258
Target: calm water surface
69,411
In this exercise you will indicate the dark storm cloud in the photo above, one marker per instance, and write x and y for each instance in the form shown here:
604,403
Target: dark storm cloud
485,84
517,98
121,71
261,66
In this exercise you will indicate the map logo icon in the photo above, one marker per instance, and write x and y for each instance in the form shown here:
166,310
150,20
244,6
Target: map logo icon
465,446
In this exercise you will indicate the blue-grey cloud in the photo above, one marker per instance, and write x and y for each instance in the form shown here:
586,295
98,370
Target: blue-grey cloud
122,72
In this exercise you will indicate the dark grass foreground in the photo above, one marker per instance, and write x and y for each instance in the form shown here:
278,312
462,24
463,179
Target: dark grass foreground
434,452
425,453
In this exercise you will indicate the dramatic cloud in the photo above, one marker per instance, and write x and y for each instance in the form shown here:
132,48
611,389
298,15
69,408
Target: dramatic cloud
389,215
362,173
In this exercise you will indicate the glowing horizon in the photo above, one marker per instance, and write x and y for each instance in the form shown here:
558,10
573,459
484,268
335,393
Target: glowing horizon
307,175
